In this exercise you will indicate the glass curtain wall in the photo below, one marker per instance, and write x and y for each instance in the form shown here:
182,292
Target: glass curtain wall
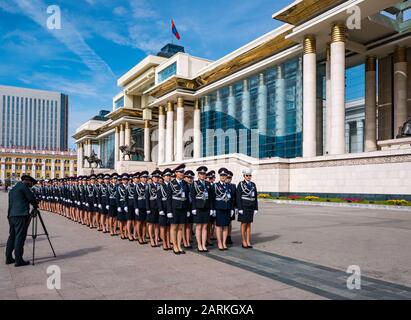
260,116
107,151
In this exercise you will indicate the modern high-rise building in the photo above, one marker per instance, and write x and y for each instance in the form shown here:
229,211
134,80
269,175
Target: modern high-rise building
33,119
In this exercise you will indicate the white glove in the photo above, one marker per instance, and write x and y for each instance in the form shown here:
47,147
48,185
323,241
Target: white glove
188,214
148,212
194,212
136,211
107,207
87,205
118,209
232,213
211,213
169,215
162,213
100,207
95,205
214,213
240,211
126,209
255,211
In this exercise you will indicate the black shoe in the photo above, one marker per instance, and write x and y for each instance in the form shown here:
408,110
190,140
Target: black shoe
10,261
177,252
21,263
249,247
182,252
221,249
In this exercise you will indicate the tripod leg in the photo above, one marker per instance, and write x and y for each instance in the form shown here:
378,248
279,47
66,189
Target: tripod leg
34,235
46,233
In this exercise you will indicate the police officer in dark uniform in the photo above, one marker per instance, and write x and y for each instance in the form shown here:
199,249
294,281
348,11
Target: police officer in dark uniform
201,196
234,193
162,201
133,186
223,205
153,208
130,214
247,205
104,202
122,204
211,225
112,211
140,206
188,227
20,198
178,208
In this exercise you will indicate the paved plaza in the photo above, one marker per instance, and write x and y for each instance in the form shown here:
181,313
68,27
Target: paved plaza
300,252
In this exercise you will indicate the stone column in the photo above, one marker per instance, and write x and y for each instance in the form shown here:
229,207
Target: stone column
71,168
170,132
370,104
197,130
231,121
400,88
23,165
127,135
62,171
328,98
281,112
309,97
33,168
337,49
3,169
121,135
147,140
161,134
180,130
117,145
89,147
80,160
209,145
245,116
360,136
43,168
262,113
53,168
13,167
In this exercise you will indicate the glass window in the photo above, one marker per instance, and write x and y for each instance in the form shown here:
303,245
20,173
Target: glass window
107,151
260,116
171,70
119,103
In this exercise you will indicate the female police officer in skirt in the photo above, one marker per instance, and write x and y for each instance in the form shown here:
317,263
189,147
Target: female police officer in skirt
122,205
162,203
140,206
201,207
247,205
223,205
188,227
112,212
152,208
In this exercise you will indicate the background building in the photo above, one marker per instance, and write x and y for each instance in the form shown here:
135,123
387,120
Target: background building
38,164
33,119
314,107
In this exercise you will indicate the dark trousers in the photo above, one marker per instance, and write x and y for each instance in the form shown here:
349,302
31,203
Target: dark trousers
17,237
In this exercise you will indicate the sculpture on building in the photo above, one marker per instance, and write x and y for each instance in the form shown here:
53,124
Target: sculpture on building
93,159
132,150
405,130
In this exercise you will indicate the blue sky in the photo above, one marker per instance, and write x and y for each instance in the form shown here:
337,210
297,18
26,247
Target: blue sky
101,40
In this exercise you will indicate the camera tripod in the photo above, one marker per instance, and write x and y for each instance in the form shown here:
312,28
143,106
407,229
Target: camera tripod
34,217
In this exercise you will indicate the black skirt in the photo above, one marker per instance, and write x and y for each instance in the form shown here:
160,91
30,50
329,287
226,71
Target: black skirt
202,216
247,216
131,215
163,221
223,218
153,217
142,215
112,212
179,216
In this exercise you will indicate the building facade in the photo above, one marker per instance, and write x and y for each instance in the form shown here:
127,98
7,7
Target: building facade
314,106
39,164
33,119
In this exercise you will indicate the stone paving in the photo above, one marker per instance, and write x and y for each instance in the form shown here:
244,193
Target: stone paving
300,252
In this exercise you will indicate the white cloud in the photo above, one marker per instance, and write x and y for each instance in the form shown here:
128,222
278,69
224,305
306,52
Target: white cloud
120,11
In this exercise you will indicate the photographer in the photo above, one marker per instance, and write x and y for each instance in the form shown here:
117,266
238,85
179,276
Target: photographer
20,198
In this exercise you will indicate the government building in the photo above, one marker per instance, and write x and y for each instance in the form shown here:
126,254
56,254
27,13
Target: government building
34,135
313,107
